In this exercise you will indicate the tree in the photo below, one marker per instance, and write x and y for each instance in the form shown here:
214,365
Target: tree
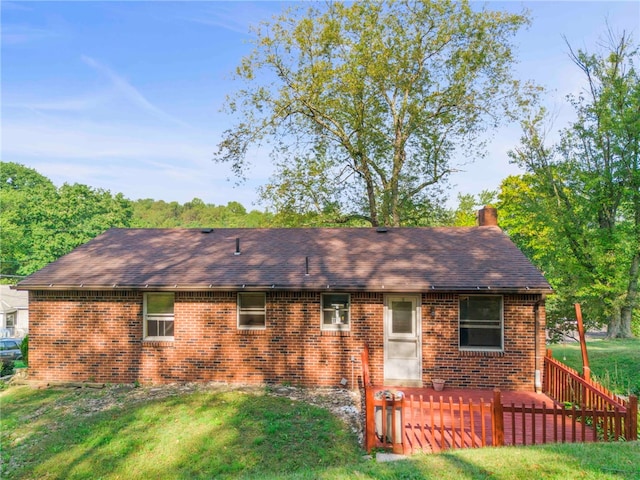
40,222
589,183
21,190
367,103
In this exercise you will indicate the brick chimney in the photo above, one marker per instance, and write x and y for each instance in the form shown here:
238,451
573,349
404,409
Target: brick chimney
487,217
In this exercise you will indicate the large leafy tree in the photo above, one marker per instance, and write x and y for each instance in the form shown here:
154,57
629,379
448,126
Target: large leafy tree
583,193
22,191
40,222
366,103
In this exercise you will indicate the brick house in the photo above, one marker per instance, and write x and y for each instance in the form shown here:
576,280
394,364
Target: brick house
291,305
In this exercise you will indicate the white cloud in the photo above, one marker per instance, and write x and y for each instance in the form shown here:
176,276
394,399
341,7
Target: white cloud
129,92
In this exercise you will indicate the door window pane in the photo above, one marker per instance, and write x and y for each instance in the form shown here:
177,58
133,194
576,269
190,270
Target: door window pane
401,317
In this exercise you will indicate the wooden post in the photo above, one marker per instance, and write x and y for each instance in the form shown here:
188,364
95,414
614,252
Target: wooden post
397,423
369,420
369,409
498,419
546,379
586,370
364,357
631,430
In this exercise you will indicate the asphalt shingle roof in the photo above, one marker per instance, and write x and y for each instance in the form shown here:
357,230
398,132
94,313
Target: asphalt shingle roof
401,259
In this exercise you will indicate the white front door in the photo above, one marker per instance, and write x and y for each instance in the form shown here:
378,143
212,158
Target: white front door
402,346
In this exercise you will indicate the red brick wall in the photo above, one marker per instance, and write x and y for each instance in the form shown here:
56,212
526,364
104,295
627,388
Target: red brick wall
97,336
512,369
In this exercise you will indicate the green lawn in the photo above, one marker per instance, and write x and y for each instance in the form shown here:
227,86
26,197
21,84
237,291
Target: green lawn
614,363
59,434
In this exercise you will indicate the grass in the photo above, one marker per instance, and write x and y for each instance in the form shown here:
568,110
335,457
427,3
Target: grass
614,363
52,434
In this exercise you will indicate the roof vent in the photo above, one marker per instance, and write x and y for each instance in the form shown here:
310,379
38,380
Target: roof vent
206,230
382,230
237,252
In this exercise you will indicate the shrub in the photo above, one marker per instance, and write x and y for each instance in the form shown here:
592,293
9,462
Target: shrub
6,369
24,349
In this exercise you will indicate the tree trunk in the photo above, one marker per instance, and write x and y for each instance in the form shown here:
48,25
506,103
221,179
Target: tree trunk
631,299
363,169
614,325
619,327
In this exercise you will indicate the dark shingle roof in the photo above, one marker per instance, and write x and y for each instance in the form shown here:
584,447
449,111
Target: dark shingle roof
402,259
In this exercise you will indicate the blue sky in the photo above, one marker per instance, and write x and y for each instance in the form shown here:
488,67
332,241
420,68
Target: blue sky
126,96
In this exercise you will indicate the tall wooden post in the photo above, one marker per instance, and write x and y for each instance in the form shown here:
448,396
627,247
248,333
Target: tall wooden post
586,370
369,410
498,419
369,420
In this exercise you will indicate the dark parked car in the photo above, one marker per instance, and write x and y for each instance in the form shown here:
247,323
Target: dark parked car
10,349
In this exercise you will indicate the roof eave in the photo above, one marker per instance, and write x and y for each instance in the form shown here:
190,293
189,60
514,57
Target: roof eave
284,287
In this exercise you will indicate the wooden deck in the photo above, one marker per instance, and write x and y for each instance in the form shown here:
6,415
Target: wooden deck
462,418
408,419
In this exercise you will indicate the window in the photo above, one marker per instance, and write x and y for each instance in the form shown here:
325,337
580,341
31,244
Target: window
335,311
11,320
9,345
252,310
481,322
158,316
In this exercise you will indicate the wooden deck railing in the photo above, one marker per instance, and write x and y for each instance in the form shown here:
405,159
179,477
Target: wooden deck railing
566,386
441,424
424,423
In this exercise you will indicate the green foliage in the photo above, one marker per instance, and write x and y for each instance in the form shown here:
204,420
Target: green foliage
6,368
148,213
635,323
366,102
40,222
24,349
576,213
468,206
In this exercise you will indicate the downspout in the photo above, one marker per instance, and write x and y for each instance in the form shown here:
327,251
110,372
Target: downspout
537,375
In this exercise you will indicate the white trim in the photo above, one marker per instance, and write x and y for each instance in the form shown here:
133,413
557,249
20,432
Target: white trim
335,327
483,349
145,319
416,300
262,311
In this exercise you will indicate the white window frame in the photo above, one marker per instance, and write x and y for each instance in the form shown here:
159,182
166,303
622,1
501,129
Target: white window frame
11,317
336,326
252,310
479,322
158,317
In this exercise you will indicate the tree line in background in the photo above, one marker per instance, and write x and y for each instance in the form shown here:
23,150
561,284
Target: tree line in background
366,105
41,222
